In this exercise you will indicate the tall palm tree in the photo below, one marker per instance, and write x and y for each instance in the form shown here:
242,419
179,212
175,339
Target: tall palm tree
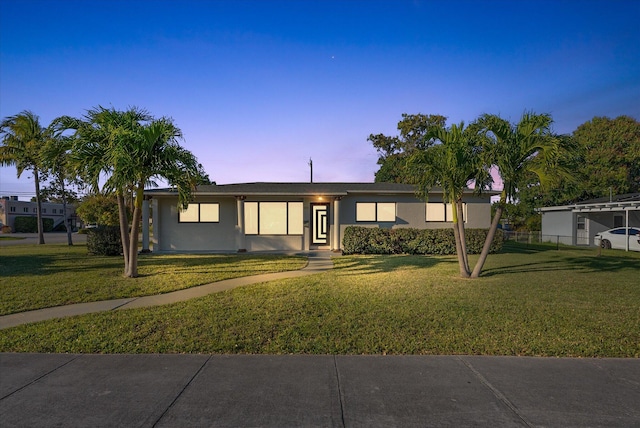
55,156
518,151
451,165
154,153
22,138
132,149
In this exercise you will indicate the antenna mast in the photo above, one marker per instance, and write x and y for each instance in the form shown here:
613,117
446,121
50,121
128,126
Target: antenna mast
311,168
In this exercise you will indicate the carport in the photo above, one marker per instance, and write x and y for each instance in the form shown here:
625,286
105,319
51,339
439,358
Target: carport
577,224
597,213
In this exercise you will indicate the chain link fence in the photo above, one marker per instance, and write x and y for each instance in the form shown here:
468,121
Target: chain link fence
539,238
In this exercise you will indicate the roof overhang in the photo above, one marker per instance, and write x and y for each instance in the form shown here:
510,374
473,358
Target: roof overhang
596,207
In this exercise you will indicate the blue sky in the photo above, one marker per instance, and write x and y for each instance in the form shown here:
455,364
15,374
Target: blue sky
259,87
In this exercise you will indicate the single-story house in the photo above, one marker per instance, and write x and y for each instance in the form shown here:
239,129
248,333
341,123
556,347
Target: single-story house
293,216
577,224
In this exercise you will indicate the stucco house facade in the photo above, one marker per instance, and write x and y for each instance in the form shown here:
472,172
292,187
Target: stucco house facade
293,216
577,224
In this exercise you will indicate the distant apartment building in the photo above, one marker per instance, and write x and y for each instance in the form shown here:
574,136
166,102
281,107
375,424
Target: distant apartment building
11,207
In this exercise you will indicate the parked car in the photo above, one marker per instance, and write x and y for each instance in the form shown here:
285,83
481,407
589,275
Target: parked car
617,238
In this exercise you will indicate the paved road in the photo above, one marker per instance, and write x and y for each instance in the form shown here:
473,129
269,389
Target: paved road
40,390
49,238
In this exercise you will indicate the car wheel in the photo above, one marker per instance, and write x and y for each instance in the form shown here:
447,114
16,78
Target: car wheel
605,244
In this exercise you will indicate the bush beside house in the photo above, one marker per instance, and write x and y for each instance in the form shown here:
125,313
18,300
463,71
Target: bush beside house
104,241
366,240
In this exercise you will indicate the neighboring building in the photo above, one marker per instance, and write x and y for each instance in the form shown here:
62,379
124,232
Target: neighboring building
577,224
11,207
294,216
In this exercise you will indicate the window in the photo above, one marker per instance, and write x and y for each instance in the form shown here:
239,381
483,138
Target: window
376,211
273,218
439,211
13,209
25,210
200,213
54,211
44,211
209,213
581,222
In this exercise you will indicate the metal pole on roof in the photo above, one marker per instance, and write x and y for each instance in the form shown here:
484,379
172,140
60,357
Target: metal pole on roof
311,167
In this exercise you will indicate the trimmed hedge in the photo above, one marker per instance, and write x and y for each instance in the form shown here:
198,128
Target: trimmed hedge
369,240
104,241
25,224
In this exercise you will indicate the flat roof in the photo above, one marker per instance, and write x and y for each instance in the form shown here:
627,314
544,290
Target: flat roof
300,189
627,202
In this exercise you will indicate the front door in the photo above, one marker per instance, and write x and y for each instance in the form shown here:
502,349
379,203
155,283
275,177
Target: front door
319,224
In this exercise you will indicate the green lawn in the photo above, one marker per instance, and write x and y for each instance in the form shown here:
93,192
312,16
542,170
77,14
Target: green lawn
39,276
531,301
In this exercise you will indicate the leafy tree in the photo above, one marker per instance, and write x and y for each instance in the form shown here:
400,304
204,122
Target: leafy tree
101,210
132,148
520,151
394,151
611,149
22,139
451,163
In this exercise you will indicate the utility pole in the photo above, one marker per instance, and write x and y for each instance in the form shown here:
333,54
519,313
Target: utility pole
311,168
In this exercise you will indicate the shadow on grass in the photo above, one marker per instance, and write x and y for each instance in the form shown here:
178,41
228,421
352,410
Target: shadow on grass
579,260
366,264
41,264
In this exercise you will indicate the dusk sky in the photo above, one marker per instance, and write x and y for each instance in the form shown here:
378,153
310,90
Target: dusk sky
259,87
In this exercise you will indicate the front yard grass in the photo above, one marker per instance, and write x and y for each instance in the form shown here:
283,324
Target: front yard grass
40,276
532,301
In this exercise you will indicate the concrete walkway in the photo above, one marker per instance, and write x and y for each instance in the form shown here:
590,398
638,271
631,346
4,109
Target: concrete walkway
319,261
40,390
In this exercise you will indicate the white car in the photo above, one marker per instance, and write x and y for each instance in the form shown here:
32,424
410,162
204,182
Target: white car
617,238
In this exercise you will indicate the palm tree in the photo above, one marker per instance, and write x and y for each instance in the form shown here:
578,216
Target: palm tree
22,138
132,149
55,156
156,154
452,165
519,151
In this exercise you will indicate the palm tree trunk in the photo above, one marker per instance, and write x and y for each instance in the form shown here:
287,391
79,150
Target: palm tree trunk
64,214
490,235
463,240
460,249
124,230
135,230
36,177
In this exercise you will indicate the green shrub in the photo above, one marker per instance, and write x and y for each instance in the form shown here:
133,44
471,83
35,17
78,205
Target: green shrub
104,241
30,224
365,240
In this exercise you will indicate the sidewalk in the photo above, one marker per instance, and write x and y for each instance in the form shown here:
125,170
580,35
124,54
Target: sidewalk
40,390
319,261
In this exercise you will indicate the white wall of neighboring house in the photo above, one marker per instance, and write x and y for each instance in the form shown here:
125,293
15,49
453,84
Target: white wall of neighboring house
11,207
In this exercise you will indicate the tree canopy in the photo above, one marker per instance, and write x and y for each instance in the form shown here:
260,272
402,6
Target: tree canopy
393,151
